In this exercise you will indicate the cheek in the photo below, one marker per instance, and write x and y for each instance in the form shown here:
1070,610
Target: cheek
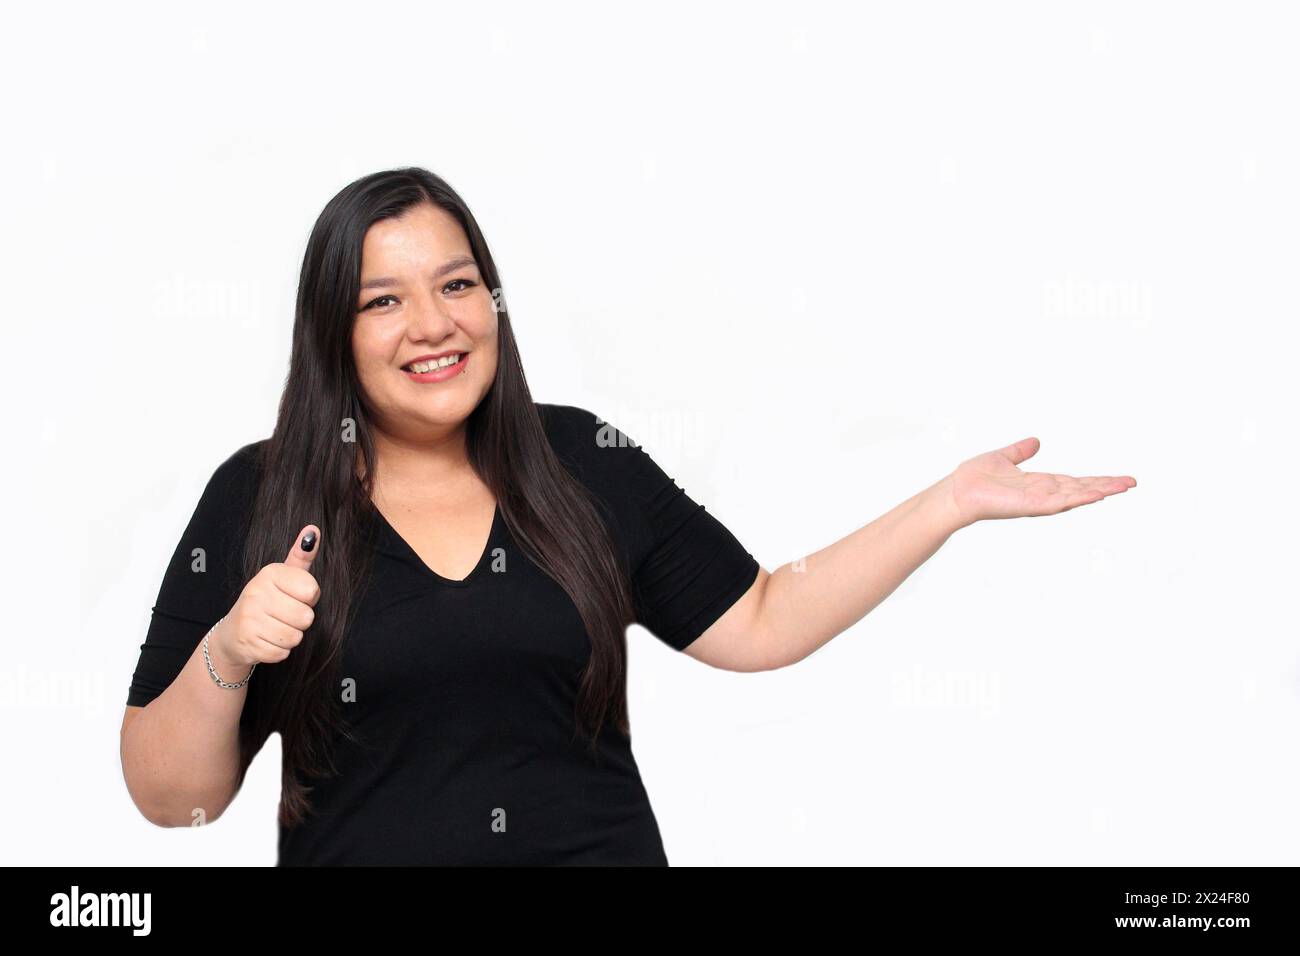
482,327
371,353
374,344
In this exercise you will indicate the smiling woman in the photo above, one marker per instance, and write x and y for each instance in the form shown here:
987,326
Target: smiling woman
463,564
447,633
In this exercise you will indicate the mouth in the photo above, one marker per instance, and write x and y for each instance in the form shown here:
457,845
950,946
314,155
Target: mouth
438,368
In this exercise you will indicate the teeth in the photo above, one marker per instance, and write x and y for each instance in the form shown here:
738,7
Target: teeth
436,363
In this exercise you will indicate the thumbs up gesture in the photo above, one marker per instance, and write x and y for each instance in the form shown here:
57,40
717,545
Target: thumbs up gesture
273,611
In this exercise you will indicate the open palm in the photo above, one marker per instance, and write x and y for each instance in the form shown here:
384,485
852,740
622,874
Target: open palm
991,486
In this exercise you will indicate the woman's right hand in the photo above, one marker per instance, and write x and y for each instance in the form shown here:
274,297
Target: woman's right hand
273,610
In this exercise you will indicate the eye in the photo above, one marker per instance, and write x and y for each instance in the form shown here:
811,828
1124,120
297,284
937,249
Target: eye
467,283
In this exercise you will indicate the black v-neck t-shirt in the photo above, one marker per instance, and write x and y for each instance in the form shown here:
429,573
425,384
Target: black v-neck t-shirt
465,689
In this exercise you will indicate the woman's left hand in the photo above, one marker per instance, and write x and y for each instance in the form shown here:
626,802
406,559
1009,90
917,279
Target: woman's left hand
991,486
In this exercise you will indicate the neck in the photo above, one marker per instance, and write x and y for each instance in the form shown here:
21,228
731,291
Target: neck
421,467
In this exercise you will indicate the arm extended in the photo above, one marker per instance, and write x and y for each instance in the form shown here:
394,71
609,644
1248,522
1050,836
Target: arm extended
789,613
808,602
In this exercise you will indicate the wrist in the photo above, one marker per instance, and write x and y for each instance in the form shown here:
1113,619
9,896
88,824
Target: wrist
942,502
227,669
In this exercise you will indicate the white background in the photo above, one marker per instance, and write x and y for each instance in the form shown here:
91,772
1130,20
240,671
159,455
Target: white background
812,257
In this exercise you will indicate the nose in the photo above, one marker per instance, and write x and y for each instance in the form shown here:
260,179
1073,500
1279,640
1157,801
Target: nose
430,319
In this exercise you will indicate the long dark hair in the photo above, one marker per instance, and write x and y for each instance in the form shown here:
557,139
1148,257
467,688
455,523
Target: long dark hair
309,475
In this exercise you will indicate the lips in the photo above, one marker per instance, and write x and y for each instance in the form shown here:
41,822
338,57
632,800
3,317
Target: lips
431,358
438,374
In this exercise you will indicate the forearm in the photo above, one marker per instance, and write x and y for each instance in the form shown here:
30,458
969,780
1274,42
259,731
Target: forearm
181,752
806,603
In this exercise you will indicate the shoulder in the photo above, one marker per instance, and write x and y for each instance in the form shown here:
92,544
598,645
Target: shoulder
582,437
250,455
237,476
564,422
572,423
599,456
244,460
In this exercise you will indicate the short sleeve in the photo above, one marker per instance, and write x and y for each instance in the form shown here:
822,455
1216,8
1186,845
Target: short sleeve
202,580
690,568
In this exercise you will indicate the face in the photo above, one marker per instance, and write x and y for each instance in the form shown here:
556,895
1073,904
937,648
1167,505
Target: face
422,295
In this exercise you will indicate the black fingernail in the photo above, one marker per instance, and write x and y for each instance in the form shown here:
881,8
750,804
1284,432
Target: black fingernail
309,540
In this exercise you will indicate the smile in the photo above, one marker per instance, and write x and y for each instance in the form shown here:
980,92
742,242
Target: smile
437,370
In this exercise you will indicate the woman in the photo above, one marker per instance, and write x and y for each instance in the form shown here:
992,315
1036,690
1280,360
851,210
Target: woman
441,572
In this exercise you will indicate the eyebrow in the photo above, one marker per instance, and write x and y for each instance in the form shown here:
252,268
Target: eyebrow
451,265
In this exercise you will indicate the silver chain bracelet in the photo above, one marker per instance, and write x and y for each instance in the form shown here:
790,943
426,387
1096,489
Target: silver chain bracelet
208,659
